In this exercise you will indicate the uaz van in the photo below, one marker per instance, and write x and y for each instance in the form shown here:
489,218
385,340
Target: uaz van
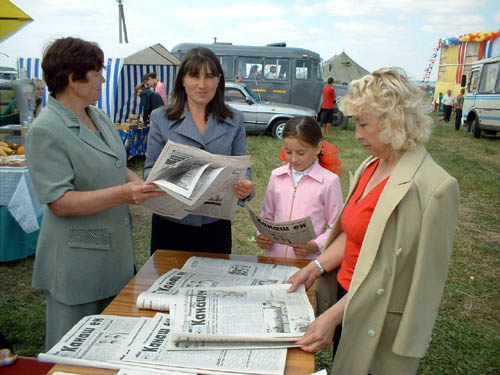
482,103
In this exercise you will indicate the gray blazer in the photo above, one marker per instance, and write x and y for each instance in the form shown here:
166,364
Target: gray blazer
226,138
87,258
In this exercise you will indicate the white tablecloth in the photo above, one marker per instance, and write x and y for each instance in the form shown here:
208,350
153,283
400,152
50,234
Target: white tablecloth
18,194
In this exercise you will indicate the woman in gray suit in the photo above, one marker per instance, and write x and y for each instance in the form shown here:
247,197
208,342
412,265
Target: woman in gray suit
197,116
78,164
393,240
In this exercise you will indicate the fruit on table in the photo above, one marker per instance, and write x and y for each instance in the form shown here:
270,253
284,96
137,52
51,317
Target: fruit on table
5,150
20,150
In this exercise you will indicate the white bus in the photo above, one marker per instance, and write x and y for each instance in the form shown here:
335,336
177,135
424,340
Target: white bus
482,102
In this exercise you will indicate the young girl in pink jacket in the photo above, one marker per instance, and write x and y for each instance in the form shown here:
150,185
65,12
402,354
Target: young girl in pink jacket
303,187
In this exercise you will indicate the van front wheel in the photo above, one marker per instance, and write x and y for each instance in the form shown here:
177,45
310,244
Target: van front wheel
277,130
476,132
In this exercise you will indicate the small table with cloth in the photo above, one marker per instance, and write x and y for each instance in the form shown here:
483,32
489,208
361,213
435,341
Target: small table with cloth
20,214
135,141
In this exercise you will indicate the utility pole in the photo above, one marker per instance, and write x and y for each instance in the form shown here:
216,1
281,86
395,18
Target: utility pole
121,21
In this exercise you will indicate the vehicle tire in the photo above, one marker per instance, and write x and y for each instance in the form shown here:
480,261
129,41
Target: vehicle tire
277,130
476,132
338,118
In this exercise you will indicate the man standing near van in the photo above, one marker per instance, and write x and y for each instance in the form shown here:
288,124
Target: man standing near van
458,111
327,106
448,101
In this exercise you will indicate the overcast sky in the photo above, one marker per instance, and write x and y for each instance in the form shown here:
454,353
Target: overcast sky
374,33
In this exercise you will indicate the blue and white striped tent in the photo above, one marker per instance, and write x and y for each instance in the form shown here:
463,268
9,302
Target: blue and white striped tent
118,97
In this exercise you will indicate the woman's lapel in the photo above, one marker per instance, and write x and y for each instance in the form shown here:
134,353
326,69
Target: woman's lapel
396,188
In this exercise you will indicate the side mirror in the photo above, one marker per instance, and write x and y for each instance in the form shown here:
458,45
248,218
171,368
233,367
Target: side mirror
249,101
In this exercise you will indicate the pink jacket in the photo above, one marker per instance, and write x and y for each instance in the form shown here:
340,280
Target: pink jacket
162,90
318,194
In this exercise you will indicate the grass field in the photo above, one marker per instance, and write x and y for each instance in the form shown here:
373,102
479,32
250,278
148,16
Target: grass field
466,337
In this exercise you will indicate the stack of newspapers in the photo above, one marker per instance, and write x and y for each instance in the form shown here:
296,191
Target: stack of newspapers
226,317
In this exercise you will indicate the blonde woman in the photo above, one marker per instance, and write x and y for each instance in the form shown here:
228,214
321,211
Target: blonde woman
392,241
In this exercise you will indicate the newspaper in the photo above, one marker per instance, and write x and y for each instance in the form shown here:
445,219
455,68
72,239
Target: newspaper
140,344
159,295
196,182
286,232
239,268
149,348
248,313
93,341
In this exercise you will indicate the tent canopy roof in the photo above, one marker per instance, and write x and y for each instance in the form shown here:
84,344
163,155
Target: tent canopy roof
11,19
154,55
343,69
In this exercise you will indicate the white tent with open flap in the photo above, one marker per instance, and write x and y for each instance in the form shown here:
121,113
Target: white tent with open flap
118,97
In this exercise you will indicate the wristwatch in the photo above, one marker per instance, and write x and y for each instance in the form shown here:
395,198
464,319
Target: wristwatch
318,264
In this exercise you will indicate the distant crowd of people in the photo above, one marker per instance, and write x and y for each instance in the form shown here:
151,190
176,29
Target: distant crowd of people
380,256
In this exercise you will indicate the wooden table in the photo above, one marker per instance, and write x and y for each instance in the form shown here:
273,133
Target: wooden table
298,362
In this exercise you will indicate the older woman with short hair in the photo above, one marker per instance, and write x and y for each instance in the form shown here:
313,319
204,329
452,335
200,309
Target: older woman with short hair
393,240
78,164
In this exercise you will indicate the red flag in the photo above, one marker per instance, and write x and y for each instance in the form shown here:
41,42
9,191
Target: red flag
461,59
480,53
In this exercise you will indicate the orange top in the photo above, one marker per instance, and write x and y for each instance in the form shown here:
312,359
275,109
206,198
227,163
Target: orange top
355,219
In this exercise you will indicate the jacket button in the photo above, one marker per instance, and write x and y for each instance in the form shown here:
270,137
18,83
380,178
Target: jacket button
380,291
126,221
371,333
118,163
398,251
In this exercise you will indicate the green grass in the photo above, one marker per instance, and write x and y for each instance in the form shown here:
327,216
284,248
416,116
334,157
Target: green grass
466,336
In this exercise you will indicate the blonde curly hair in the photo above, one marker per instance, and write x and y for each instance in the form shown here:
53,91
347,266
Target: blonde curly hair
389,95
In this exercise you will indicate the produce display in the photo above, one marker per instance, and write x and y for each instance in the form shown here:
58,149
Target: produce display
6,149
12,155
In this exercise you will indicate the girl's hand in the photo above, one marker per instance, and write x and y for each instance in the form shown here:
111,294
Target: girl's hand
303,250
138,192
263,242
306,276
243,189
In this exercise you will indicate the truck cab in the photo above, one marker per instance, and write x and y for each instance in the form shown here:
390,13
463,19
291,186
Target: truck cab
482,102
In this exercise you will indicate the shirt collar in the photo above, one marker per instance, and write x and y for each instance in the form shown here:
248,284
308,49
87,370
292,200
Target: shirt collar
71,119
315,171
186,113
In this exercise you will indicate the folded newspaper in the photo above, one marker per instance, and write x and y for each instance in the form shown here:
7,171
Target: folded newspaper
210,272
116,342
239,268
196,182
284,232
245,313
160,295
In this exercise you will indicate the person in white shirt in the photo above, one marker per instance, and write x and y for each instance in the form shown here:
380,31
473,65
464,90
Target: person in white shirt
272,73
448,101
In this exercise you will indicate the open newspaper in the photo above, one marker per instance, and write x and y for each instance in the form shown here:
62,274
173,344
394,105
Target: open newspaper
247,313
133,343
196,182
152,351
285,232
